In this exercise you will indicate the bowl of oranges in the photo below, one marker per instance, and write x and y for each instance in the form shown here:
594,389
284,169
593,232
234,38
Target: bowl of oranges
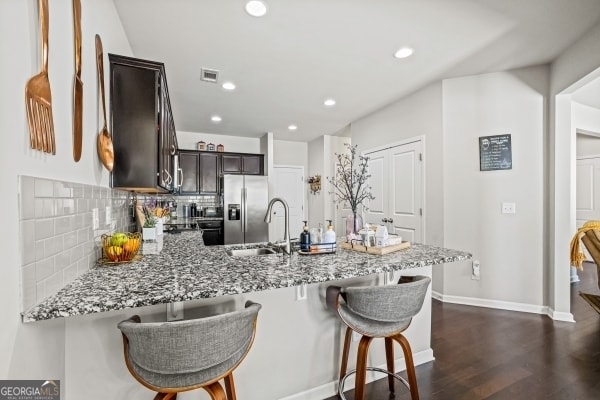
120,246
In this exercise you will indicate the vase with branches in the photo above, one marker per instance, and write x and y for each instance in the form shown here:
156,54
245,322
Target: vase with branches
351,181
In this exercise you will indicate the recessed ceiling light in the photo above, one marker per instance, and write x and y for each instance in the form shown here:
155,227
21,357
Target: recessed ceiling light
216,119
329,102
256,8
404,52
228,86
292,127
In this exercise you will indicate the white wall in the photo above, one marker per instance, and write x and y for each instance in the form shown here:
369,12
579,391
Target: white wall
419,114
286,152
234,144
37,351
568,72
509,247
316,165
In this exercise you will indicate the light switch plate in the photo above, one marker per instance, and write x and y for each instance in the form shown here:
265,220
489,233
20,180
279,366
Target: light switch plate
95,219
509,208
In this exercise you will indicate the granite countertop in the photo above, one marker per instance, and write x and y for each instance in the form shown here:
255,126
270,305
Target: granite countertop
181,268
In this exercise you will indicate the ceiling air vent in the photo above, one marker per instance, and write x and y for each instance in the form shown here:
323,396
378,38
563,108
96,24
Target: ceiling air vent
209,75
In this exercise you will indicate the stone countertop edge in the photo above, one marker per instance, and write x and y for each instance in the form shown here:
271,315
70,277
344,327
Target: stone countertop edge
185,270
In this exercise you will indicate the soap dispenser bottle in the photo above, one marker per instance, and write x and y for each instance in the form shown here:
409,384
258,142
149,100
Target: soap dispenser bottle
329,236
305,238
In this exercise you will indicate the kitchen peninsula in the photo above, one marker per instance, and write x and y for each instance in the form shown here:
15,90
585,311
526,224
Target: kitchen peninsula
187,270
298,339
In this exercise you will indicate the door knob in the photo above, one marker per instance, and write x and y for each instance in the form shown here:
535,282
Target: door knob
384,220
390,220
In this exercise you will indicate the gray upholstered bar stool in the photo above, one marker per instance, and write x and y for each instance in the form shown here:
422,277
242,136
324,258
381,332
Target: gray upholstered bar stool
177,356
378,312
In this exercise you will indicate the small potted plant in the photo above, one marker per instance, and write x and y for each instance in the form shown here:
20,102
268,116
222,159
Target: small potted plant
149,228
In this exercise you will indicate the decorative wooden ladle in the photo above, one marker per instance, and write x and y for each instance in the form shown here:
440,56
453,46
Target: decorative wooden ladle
104,143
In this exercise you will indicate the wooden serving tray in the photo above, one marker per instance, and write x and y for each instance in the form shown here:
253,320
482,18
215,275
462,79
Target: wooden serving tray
375,249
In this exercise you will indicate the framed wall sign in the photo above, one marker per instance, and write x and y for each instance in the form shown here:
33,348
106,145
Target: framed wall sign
495,152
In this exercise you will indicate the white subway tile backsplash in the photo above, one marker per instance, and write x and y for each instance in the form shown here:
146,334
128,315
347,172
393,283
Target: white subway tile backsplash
64,224
27,240
76,253
70,273
44,228
68,206
54,283
40,290
44,188
28,286
62,189
39,250
27,197
62,261
44,268
56,236
77,192
53,246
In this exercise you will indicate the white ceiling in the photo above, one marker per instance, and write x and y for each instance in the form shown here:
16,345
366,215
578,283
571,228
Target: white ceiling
303,51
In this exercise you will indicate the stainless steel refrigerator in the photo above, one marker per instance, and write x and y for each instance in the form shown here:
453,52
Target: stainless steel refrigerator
245,201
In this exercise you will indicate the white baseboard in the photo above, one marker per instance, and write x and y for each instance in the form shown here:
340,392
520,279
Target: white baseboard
504,305
560,316
330,389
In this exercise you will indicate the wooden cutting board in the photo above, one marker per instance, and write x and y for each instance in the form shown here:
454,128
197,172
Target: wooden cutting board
375,249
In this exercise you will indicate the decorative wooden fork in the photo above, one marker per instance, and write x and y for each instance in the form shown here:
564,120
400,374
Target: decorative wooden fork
38,99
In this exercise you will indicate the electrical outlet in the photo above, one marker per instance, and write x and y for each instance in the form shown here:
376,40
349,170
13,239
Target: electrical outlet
108,215
509,208
175,311
95,219
475,270
301,292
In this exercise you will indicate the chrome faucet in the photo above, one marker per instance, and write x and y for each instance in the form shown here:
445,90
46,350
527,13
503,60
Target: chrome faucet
286,236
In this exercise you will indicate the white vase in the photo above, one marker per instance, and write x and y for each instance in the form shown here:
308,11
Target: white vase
149,234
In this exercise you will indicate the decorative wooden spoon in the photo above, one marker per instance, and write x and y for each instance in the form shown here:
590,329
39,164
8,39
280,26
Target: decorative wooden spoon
104,143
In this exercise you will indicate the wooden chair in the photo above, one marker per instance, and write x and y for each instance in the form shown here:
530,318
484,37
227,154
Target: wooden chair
177,356
591,241
378,311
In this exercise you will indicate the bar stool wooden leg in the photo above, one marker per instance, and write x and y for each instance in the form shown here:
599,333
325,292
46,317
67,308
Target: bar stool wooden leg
216,392
361,368
410,366
389,356
345,352
230,387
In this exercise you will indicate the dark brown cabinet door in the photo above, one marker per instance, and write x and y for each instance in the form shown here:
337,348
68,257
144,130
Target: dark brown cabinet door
142,125
253,164
249,164
189,164
232,163
210,172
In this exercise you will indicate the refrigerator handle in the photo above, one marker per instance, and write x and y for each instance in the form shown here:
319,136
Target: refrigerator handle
244,209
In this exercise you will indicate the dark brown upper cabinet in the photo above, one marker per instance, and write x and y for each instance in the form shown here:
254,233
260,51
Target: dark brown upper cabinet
210,172
239,163
189,162
142,126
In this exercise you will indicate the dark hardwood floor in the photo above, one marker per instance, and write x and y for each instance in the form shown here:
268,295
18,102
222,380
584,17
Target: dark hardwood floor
482,353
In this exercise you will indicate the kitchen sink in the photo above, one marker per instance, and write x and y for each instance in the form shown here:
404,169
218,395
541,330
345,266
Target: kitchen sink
260,251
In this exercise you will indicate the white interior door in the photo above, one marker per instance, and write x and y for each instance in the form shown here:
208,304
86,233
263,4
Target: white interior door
587,190
288,184
397,184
